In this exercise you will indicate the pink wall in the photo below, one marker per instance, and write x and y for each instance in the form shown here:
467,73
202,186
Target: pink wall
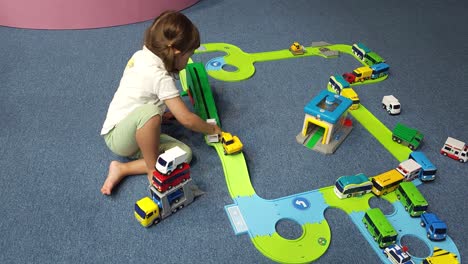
80,14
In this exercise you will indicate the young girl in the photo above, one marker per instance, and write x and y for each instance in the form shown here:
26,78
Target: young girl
133,124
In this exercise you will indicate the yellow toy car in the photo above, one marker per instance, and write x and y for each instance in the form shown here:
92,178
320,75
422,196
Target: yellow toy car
297,49
231,144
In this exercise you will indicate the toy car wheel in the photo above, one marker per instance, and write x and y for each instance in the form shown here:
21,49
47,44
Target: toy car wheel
174,210
156,221
411,147
445,154
428,236
399,141
423,224
225,152
461,161
383,106
394,138
406,208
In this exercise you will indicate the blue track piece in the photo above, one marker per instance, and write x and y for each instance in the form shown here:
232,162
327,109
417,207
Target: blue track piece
262,215
405,225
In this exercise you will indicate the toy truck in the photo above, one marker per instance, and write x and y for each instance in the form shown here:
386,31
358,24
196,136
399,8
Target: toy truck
436,229
170,160
407,136
391,104
455,149
149,211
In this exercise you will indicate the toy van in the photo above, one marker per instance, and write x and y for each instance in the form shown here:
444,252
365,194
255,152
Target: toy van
391,104
170,160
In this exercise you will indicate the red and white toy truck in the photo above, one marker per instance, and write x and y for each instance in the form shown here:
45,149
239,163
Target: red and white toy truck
455,149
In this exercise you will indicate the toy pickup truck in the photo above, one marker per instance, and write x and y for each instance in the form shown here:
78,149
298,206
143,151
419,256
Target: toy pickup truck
436,229
407,136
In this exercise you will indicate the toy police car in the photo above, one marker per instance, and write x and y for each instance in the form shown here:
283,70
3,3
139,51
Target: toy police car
397,254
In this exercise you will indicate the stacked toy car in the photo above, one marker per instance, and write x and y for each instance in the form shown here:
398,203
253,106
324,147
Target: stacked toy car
171,188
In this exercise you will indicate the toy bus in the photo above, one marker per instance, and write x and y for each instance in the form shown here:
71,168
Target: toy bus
386,182
164,182
353,185
372,58
412,199
379,227
338,83
351,94
379,70
365,73
428,170
360,50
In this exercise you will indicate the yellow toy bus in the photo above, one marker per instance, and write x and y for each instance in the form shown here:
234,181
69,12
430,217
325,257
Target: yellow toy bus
386,182
351,94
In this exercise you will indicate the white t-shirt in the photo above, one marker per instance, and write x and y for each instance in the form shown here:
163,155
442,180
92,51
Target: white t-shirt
144,81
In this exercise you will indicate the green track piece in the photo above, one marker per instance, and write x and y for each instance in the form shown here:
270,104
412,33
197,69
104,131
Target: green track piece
199,87
310,246
380,132
235,172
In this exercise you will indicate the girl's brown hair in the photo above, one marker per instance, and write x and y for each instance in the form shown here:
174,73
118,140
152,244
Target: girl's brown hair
171,31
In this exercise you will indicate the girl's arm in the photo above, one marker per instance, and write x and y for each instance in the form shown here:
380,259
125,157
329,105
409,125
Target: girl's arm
189,119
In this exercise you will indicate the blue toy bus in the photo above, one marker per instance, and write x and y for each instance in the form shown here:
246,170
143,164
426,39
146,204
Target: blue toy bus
379,70
428,170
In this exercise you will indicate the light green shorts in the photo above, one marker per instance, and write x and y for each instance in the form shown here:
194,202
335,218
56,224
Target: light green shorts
121,139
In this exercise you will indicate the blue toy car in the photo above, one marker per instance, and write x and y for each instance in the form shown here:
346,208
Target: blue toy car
436,229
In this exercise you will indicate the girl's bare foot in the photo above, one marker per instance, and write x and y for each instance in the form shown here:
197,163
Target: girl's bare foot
113,178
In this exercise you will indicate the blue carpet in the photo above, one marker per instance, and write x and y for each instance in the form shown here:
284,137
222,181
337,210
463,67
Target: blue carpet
55,87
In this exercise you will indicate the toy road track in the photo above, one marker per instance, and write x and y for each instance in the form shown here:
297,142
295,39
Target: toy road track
316,233
235,172
258,217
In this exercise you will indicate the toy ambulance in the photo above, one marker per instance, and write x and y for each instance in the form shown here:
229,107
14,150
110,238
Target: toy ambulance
455,149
